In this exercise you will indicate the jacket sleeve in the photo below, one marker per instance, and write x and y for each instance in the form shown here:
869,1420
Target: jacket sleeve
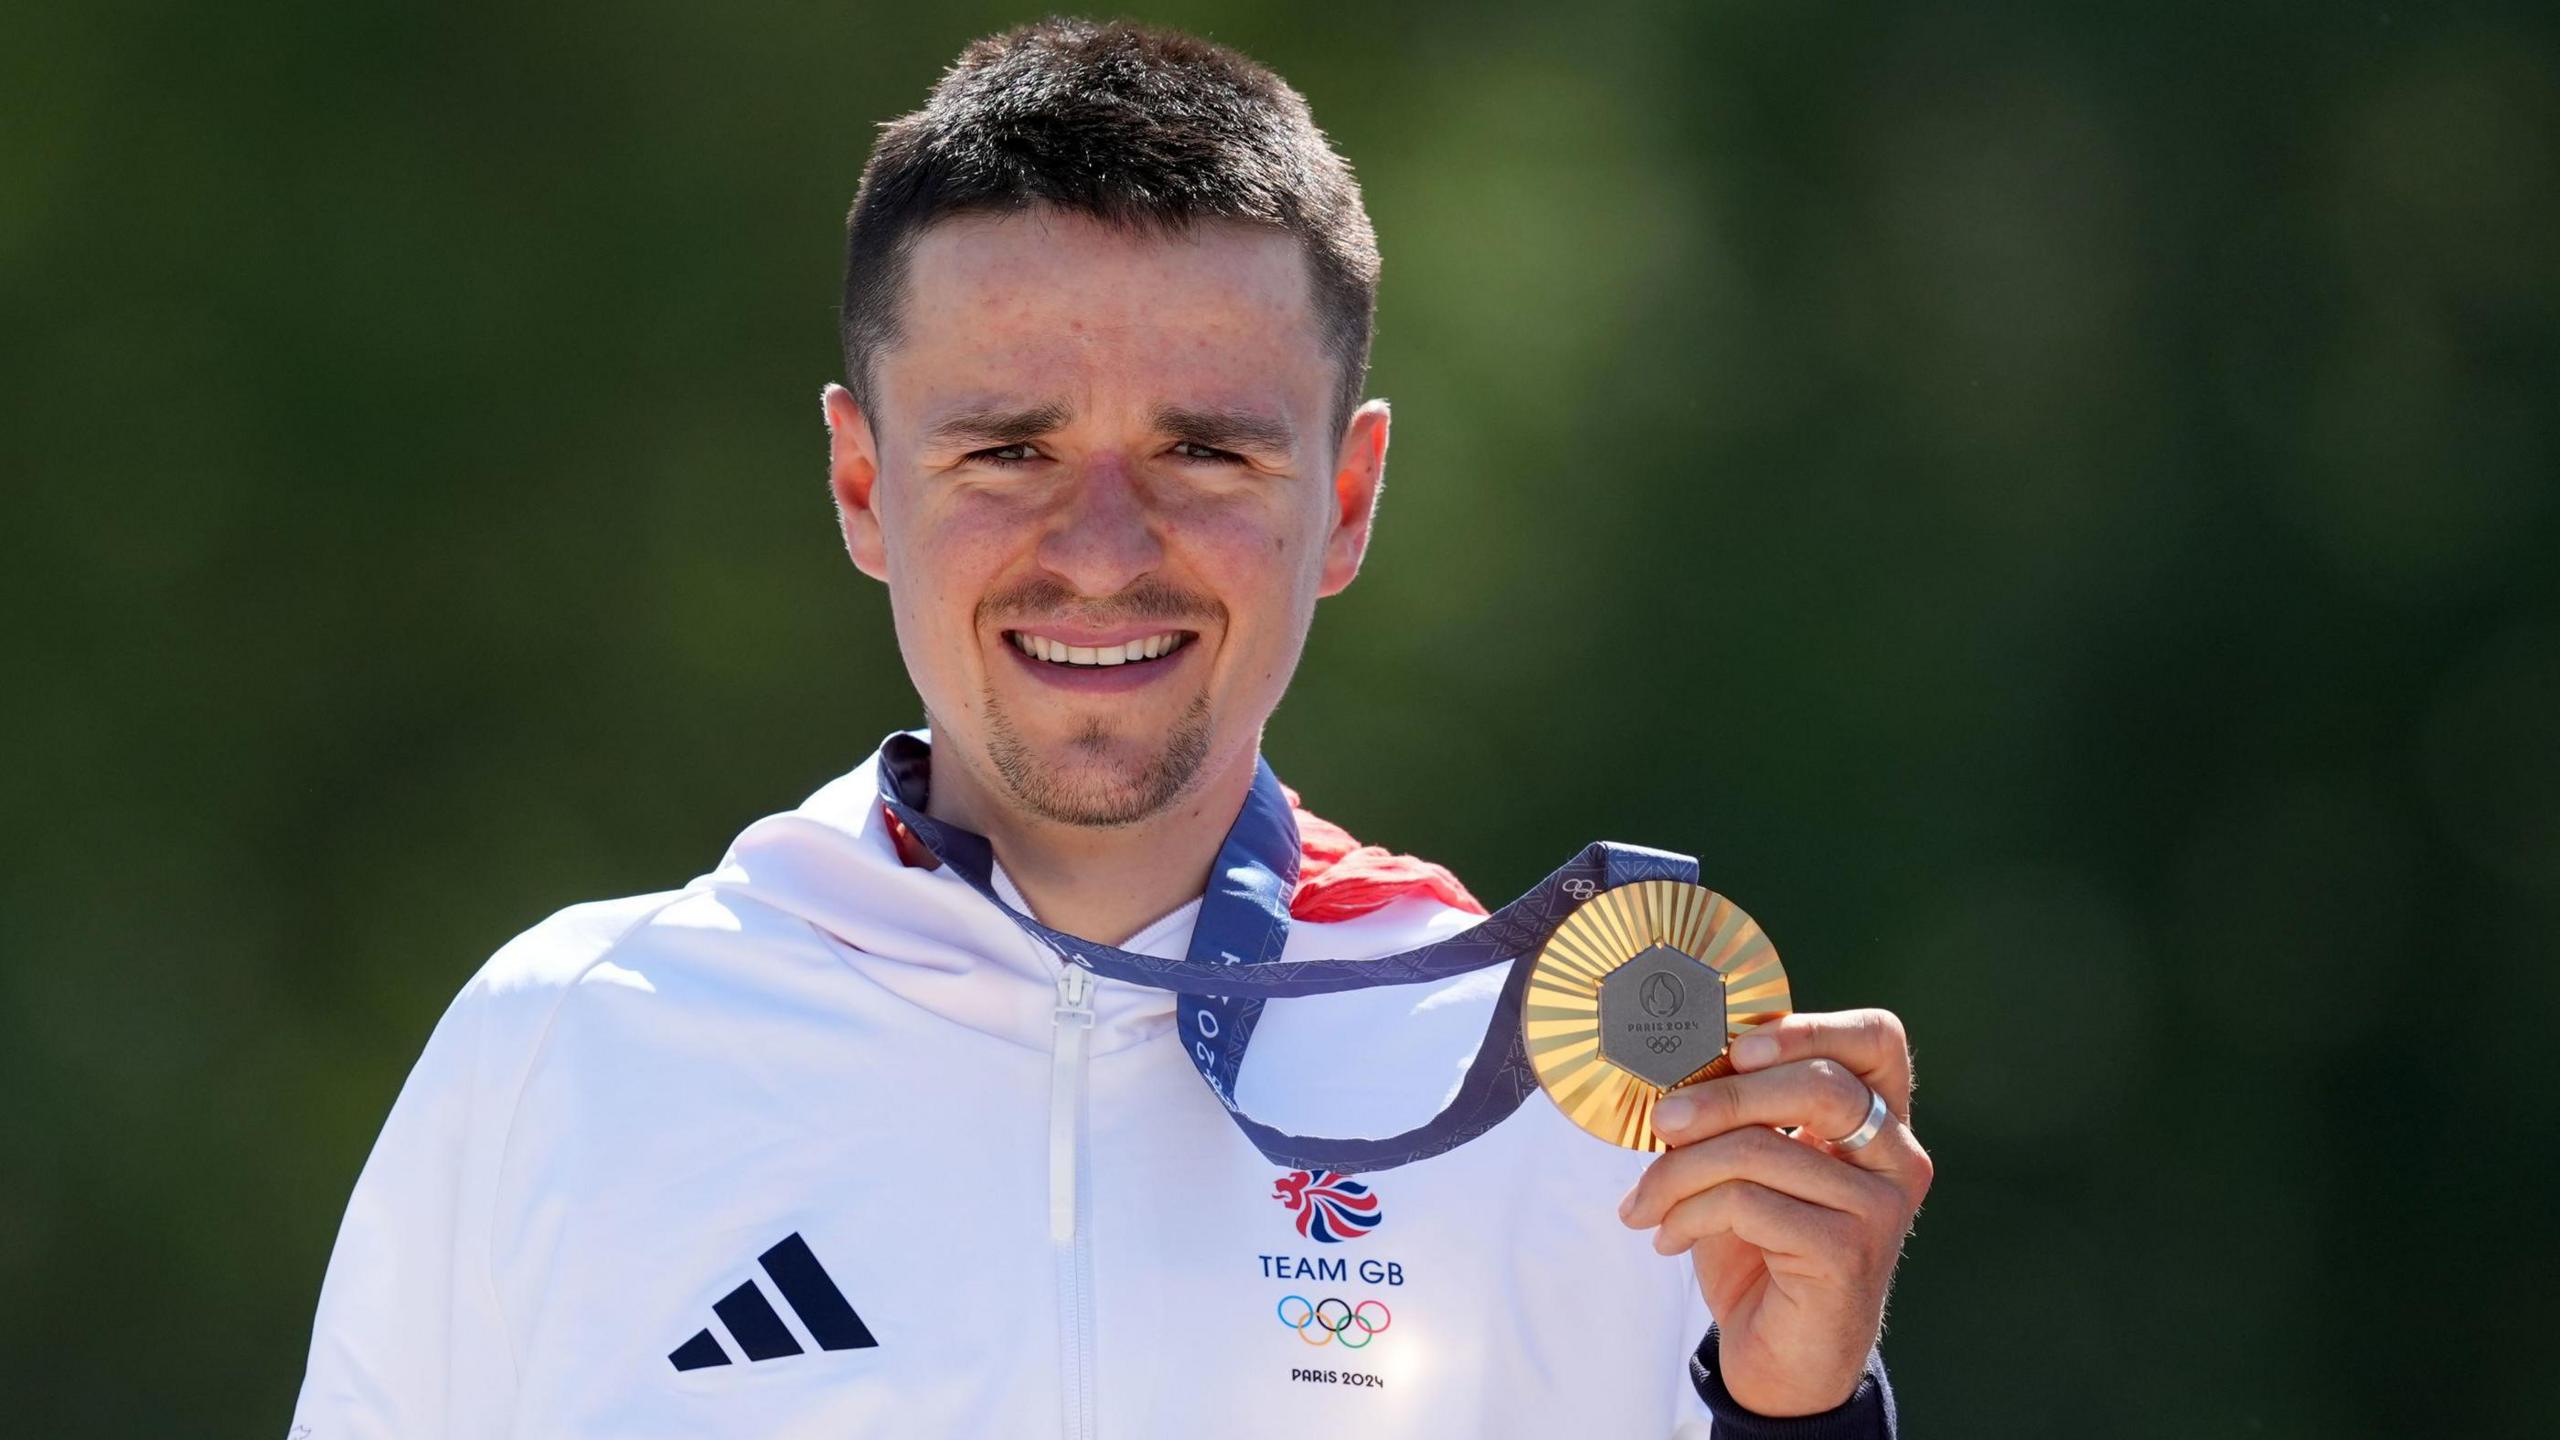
1867,1414
408,1341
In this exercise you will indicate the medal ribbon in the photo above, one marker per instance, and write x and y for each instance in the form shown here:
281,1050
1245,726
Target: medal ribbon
1234,963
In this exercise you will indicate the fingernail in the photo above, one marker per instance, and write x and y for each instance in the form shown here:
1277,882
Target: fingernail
1627,1207
1753,1051
1674,1111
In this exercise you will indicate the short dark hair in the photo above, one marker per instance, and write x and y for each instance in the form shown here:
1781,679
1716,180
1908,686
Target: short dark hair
1130,124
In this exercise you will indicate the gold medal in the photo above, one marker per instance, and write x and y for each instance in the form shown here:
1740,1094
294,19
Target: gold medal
1643,988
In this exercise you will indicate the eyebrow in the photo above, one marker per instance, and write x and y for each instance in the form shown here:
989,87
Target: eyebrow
995,426
1228,429
1219,428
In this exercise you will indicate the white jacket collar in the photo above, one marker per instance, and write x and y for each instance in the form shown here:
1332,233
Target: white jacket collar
924,934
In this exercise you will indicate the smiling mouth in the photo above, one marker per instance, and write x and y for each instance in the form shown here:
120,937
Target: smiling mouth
1144,650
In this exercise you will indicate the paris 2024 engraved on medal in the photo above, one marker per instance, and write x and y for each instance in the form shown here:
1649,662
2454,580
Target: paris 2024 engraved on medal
1641,990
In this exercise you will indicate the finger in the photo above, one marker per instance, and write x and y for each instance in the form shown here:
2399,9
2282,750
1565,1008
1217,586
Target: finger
1763,1157
1819,1094
1759,1216
1870,1042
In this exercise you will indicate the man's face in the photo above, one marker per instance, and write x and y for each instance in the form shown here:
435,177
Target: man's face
1093,446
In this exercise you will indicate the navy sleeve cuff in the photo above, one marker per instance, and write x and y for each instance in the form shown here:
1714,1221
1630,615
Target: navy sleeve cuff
1866,1415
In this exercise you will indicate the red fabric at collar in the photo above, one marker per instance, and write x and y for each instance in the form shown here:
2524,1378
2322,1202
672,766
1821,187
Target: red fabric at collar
1338,877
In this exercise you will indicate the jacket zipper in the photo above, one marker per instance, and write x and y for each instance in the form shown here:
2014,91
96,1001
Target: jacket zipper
1070,1051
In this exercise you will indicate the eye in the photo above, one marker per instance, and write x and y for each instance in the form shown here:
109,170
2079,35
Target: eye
1194,450
1018,453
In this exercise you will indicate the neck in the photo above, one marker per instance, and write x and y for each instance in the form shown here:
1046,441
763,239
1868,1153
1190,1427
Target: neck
1103,884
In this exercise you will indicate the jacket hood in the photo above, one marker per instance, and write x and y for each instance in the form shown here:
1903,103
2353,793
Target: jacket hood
834,863
923,933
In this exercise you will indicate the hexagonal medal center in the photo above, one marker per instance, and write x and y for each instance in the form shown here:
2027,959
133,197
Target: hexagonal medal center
1662,1016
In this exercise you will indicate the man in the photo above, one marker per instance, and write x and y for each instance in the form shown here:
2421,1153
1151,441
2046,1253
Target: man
833,1141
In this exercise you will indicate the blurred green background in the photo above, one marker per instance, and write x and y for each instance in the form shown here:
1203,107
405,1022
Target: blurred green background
2055,504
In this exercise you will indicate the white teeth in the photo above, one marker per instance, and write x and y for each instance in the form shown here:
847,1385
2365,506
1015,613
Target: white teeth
1040,647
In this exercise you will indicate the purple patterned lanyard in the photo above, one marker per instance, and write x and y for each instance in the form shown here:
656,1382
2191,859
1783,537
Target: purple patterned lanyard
1234,963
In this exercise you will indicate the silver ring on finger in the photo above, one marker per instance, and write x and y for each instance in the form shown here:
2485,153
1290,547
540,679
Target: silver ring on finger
1877,1115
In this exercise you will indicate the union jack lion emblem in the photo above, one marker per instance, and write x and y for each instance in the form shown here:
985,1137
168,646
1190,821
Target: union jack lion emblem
1331,1207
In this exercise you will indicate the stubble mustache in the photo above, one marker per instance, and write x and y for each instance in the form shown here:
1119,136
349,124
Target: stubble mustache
1150,599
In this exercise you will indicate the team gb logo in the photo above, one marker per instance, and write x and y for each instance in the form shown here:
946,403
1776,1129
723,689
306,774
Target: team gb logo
1331,1207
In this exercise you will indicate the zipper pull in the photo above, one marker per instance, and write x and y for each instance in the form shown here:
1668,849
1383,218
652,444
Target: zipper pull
1075,997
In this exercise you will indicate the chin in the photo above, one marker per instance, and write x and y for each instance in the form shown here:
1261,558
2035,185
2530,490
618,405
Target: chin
1098,779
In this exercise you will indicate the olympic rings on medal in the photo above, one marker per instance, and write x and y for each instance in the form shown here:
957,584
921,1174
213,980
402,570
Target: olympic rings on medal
1322,1322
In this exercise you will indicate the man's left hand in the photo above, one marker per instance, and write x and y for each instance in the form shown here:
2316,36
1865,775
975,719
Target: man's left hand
1794,1240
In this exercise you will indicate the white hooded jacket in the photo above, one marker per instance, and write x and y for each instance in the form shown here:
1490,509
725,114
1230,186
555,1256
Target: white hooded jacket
824,1145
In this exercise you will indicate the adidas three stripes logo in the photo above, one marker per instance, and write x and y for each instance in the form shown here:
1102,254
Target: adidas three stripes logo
760,1333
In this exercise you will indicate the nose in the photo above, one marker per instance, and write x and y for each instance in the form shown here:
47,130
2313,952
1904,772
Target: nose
1104,537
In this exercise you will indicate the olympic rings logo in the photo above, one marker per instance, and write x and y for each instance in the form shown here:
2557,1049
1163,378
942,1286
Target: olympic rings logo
1580,888
1325,1321
1662,1044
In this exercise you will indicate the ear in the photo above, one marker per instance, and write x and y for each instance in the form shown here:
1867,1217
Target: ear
1359,473
853,473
